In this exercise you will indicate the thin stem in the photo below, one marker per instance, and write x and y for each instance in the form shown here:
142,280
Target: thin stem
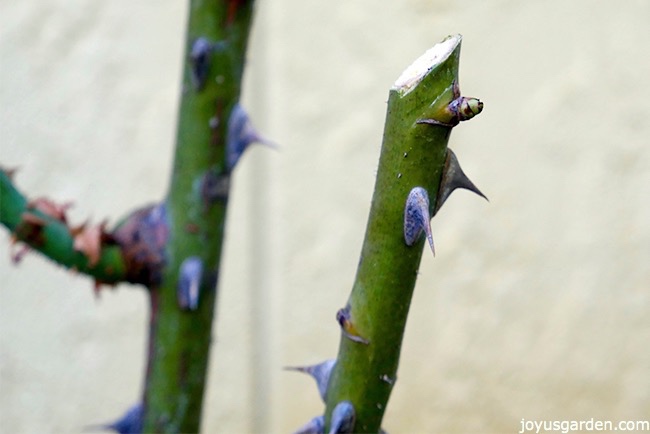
196,205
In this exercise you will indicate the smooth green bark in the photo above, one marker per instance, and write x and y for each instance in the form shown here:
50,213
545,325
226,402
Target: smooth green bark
412,155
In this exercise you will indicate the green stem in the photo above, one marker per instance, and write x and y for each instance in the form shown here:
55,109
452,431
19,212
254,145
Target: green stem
52,237
196,208
412,154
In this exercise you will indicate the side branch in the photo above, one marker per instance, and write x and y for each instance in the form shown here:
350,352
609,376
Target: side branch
42,225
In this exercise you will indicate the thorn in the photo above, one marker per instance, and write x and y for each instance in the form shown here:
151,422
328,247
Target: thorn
189,283
129,423
314,426
320,372
10,172
200,57
30,231
241,134
32,219
88,240
50,208
417,217
453,177
97,289
347,326
17,256
343,418
98,286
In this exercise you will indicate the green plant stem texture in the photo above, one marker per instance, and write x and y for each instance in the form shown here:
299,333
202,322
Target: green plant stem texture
196,205
53,238
411,155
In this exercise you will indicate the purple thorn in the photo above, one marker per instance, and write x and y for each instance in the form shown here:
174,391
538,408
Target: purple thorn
241,134
343,418
320,372
314,426
417,217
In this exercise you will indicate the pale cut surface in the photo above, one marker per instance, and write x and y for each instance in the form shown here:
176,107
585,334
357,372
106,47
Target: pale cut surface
423,64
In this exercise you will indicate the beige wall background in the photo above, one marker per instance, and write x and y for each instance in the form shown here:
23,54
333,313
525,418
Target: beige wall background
537,304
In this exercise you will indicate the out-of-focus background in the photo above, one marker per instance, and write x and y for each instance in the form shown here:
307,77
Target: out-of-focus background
537,305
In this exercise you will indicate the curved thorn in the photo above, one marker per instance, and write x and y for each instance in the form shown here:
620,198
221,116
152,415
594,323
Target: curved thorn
241,134
417,217
320,372
453,177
